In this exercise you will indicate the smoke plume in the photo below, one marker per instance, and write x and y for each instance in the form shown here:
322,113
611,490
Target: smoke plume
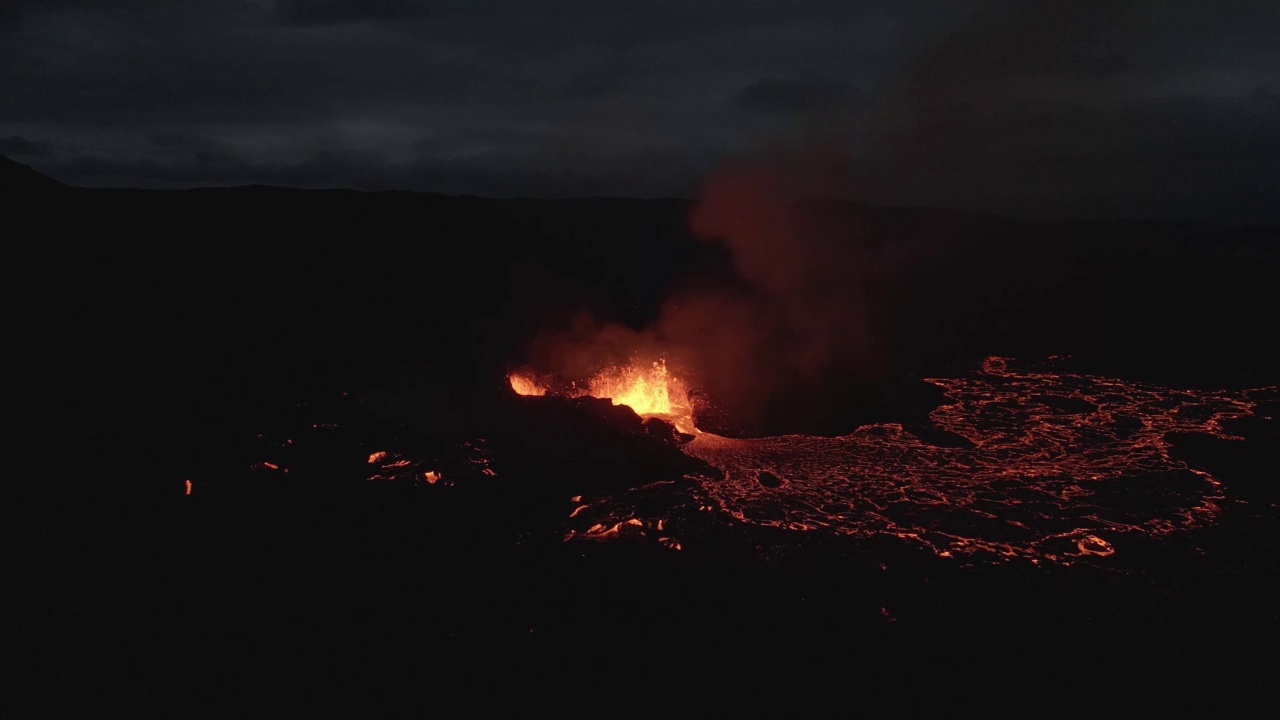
820,305
811,301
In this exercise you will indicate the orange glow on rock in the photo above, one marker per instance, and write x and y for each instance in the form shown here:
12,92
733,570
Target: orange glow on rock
376,457
187,484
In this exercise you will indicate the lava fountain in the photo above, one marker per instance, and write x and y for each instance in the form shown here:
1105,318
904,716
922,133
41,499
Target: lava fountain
523,384
648,388
652,391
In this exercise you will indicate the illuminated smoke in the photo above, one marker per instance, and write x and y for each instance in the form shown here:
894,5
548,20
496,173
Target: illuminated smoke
812,299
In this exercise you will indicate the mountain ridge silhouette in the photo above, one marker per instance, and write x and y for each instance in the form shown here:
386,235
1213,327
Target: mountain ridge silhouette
16,177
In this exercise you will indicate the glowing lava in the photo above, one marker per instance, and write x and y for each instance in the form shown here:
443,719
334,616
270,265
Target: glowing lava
1044,465
525,385
652,391
649,388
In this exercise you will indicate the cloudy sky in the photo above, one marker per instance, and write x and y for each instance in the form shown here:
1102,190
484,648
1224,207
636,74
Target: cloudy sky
1039,108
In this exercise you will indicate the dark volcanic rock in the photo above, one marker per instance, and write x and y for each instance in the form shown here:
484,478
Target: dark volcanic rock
665,431
587,441
1247,465
769,480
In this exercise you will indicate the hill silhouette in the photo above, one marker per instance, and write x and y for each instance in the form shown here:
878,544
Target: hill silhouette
16,177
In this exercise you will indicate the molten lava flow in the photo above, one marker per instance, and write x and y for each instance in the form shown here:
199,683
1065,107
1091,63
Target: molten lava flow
525,385
651,391
1036,464
396,467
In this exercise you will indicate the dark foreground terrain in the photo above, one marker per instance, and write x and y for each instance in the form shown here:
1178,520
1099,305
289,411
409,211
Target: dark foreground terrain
227,336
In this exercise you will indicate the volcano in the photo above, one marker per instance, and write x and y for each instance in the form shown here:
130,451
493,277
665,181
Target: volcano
282,469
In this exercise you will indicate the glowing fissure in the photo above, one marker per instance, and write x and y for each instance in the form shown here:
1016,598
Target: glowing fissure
652,391
1058,466
648,388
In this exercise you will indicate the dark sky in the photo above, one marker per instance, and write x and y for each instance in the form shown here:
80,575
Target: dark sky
1086,108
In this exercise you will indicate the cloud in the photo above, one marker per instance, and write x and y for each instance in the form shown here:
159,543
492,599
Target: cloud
998,104
793,96
645,173
15,146
184,141
1174,158
323,12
